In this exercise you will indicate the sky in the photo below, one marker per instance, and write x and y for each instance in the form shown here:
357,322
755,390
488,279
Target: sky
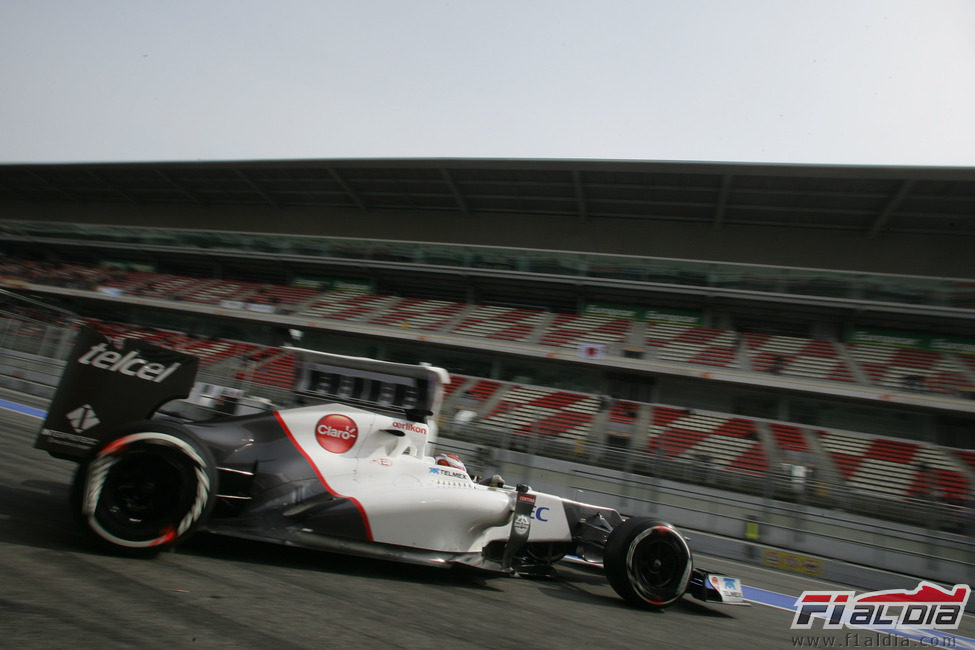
861,82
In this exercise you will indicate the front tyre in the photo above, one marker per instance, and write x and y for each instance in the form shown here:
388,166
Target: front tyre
146,489
647,562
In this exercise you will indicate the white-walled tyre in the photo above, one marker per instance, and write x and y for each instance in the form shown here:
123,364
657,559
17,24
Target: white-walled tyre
146,489
647,562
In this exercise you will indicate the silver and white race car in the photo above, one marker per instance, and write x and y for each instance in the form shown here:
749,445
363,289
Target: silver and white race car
349,473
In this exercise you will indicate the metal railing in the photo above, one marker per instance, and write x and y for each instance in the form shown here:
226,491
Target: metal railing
751,512
777,484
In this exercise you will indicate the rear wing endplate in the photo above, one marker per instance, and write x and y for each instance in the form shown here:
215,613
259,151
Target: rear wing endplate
108,382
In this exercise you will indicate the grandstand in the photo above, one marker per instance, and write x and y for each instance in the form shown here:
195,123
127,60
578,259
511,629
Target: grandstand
885,367
804,332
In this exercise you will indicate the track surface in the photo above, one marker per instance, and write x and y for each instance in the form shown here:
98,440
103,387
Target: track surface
218,592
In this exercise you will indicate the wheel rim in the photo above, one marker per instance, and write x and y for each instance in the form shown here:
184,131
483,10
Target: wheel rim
142,495
659,565
145,490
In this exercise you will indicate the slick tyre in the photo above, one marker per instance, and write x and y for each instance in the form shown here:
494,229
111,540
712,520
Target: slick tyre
647,562
149,487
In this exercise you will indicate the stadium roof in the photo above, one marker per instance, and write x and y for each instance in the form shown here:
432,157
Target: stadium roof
871,200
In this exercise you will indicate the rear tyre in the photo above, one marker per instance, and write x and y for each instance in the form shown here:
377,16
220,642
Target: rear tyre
647,562
149,487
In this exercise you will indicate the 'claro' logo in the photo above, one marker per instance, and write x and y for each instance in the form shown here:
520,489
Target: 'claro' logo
336,433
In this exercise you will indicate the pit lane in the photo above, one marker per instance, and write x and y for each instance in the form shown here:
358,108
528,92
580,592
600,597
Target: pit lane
218,592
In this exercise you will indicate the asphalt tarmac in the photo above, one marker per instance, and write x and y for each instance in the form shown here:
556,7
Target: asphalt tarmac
215,592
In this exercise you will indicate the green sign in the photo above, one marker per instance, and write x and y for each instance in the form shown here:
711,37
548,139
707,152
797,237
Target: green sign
127,265
328,284
668,316
351,285
895,339
630,312
957,346
310,283
612,311
914,340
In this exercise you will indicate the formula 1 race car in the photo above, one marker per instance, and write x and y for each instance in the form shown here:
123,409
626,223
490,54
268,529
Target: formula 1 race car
348,473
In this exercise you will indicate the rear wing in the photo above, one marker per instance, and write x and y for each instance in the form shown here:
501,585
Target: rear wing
107,382
413,391
110,381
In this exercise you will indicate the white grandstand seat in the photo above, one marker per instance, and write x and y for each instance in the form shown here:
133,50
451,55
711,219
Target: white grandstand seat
416,313
275,294
347,305
895,469
789,438
689,344
482,390
543,412
504,323
152,285
968,361
801,357
275,369
707,440
217,350
908,369
214,291
967,457
568,330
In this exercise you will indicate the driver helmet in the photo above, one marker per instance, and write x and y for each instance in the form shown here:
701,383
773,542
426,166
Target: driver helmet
450,460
